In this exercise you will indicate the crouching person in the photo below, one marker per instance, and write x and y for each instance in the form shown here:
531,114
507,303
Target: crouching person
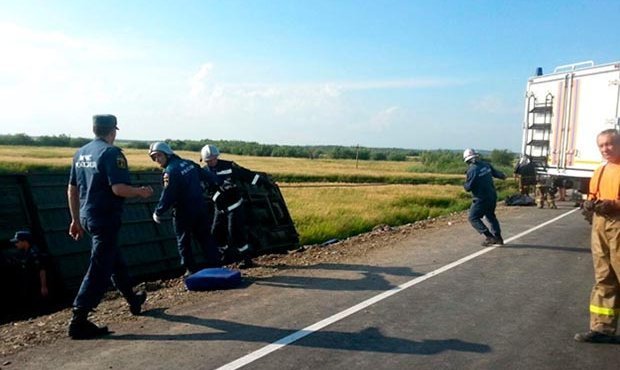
33,276
183,187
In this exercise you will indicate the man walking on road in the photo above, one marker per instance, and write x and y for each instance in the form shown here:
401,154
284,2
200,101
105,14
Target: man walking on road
479,181
603,200
98,184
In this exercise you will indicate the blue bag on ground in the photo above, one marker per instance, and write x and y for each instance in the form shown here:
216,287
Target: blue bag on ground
213,279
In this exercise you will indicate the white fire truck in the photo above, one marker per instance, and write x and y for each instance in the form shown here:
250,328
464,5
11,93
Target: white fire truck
564,111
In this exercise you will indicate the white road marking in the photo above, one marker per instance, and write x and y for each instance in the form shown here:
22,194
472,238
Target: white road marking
251,357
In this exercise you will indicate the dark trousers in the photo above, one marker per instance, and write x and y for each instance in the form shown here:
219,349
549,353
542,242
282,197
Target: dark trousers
195,225
229,230
484,208
106,264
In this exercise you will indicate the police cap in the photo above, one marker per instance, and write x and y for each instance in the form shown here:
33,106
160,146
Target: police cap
22,235
104,120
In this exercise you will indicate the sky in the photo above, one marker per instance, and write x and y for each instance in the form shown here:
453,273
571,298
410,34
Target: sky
438,74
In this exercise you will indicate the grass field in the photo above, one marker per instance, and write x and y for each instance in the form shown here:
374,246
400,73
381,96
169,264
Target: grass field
26,158
338,208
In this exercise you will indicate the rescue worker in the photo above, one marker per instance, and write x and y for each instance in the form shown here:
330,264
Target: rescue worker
183,188
98,184
541,193
33,268
552,190
525,170
229,226
545,193
479,181
604,201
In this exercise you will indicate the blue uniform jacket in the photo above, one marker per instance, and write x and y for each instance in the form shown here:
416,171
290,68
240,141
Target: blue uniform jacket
184,183
480,180
96,167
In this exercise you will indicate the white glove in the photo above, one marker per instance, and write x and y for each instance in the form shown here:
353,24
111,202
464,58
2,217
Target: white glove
156,218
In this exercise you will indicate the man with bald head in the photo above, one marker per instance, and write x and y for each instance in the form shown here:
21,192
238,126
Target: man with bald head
604,201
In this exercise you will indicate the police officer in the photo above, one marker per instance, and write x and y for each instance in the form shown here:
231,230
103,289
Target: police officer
98,184
183,187
479,181
229,219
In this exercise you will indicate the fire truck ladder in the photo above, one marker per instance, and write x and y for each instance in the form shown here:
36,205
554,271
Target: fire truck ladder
538,131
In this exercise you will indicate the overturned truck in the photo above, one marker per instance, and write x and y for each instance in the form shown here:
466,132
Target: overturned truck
38,202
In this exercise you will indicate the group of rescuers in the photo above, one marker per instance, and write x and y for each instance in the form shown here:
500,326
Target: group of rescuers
546,188
99,181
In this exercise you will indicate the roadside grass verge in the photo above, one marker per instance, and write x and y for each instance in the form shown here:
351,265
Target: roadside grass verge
323,213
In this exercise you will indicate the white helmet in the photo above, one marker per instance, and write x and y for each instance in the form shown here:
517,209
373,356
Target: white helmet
469,154
208,152
160,146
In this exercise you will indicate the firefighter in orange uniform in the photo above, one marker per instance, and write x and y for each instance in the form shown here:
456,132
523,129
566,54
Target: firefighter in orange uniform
604,201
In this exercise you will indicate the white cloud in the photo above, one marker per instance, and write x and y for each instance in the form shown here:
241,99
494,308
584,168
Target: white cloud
50,81
198,81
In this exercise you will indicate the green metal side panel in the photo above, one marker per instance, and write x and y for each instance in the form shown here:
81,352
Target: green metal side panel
149,249
39,202
14,213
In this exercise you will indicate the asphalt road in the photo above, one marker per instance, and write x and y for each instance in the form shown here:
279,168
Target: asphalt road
437,300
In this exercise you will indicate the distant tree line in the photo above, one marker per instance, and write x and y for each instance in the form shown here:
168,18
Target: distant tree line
445,161
227,146
60,140
291,151
450,161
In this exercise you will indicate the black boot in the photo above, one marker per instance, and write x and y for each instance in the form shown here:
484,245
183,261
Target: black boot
498,240
489,239
246,263
135,302
81,328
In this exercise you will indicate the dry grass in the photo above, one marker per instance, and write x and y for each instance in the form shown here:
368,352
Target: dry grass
23,158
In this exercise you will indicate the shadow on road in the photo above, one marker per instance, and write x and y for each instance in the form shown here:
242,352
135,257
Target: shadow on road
373,278
581,249
369,340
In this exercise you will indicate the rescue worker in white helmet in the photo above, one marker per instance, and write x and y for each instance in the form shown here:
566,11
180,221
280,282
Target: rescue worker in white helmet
479,181
229,226
183,185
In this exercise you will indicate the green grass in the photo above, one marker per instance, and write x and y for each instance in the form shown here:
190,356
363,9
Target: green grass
322,213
